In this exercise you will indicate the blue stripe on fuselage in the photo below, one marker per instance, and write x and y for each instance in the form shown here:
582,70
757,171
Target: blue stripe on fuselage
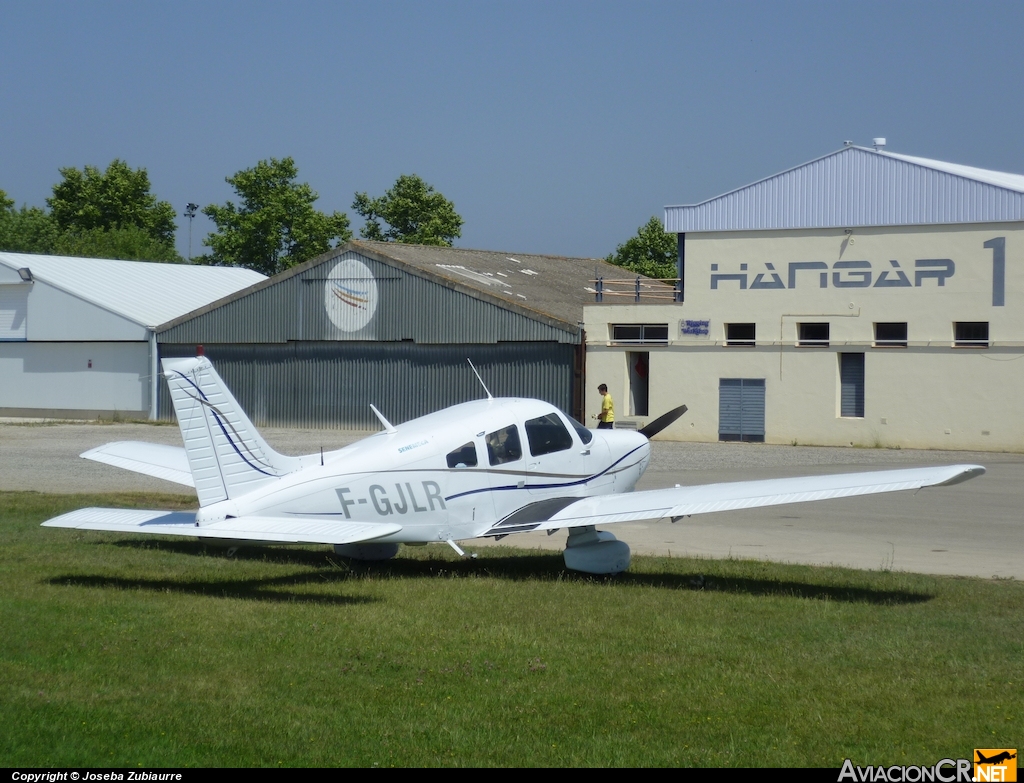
547,486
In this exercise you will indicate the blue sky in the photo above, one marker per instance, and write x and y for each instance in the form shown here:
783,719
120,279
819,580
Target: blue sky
555,127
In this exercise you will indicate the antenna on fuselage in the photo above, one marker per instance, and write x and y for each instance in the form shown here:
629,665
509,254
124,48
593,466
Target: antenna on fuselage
489,396
387,424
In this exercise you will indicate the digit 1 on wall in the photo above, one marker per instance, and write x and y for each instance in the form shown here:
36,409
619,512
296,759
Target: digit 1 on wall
998,245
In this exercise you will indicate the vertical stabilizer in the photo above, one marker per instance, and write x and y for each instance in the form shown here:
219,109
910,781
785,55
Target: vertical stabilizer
226,454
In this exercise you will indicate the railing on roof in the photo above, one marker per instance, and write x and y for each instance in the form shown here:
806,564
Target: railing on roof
639,289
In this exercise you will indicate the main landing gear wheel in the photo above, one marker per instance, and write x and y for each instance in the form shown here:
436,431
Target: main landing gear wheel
595,552
366,551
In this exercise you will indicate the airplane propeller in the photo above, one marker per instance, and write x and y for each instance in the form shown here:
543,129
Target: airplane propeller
662,422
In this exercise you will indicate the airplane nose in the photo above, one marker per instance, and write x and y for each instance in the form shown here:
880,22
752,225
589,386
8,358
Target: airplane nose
638,440
645,451
625,444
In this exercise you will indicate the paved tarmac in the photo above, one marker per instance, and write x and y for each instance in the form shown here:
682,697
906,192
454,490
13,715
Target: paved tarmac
971,529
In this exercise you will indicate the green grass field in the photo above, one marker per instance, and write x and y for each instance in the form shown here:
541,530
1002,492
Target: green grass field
124,651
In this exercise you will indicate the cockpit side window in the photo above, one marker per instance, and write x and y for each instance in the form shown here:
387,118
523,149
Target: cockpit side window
503,445
585,435
547,435
463,457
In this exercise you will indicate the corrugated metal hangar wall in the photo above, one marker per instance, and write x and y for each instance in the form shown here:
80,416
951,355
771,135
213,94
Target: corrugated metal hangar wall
316,345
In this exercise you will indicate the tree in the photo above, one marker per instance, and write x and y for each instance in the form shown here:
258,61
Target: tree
416,214
25,230
652,252
33,230
130,243
276,226
117,198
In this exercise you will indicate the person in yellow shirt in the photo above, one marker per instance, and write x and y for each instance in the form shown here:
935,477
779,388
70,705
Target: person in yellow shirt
607,414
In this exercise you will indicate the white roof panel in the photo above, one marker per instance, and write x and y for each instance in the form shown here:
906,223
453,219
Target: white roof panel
147,293
857,186
998,178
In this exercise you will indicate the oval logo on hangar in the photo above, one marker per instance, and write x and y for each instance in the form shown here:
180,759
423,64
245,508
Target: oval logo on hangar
350,295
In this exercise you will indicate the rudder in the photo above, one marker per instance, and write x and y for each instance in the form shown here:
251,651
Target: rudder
226,454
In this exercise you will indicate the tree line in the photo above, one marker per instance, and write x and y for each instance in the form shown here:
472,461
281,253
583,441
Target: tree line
273,226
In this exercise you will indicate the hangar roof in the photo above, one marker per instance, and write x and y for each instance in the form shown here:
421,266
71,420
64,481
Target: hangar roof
542,297
146,293
555,286
859,186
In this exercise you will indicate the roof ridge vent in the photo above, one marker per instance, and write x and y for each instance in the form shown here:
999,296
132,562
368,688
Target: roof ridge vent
879,143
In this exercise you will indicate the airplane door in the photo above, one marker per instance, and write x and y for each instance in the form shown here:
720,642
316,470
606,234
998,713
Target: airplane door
506,469
556,465
466,503
595,453
596,458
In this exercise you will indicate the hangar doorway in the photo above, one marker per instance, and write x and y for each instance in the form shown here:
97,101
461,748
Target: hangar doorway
639,364
741,409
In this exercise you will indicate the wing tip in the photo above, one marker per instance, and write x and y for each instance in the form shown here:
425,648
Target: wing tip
965,473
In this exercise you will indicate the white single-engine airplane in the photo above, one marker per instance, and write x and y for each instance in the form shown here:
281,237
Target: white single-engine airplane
487,468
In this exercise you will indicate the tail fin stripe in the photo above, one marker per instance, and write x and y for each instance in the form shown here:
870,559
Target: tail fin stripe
191,383
226,454
221,421
217,416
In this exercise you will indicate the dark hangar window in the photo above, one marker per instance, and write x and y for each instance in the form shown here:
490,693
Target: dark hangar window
891,335
970,334
640,334
812,335
739,334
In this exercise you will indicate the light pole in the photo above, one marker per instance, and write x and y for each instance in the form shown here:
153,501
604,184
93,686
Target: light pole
190,212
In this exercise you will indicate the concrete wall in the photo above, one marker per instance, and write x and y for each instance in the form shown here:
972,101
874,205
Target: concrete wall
54,379
929,394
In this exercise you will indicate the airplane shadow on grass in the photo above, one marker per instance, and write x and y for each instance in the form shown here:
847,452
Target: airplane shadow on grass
326,567
268,590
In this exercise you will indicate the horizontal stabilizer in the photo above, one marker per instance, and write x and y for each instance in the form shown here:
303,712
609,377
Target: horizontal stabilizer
708,498
153,459
287,530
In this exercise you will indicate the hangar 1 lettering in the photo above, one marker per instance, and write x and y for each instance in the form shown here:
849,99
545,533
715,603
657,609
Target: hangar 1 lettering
843,274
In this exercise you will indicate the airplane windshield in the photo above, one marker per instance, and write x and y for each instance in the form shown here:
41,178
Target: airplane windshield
547,435
585,435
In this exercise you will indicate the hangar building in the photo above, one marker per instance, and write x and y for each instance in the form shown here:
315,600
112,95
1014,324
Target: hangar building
864,298
393,325
77,334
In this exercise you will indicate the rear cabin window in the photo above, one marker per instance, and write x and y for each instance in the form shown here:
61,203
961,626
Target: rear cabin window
503,446
463,457
547,435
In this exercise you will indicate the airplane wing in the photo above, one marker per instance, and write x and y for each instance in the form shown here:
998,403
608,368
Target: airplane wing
295,530
707,498
153,459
